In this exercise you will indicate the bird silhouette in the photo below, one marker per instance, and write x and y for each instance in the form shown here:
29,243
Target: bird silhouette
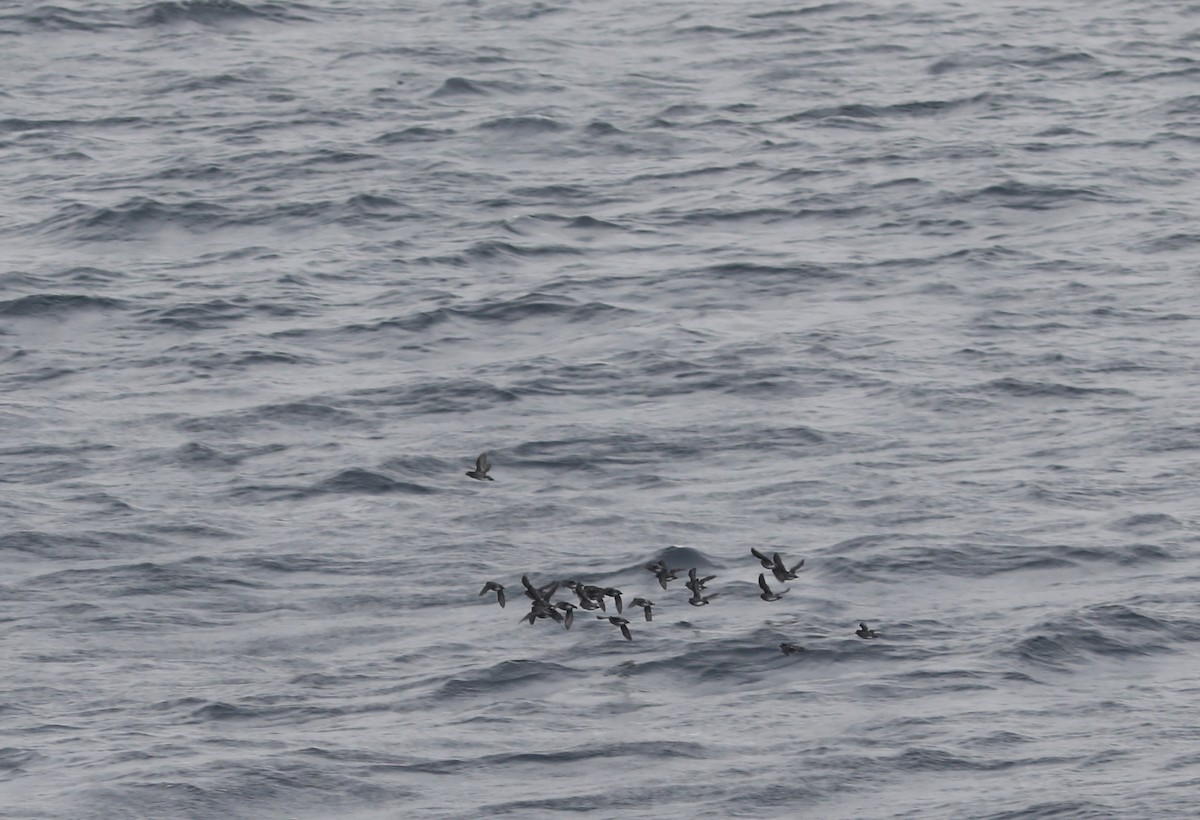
482,465
497,588
767,594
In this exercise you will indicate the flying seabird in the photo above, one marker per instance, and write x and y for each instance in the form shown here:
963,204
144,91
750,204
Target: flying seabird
538,593
617,620
482,465
568,612
864,632
645,605
542,609
498,588
762,559
663,573
781,572
767,594
699,600
615,594
695,583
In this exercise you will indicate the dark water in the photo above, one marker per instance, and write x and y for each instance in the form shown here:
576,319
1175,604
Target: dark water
906,290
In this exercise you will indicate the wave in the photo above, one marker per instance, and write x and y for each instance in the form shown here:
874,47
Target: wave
527,126
415,133
132,218
357,481
216,12
56,304
1103,630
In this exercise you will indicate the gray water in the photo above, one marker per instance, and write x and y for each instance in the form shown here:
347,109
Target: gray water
908,291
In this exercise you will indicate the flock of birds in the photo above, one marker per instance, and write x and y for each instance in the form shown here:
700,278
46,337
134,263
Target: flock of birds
592,598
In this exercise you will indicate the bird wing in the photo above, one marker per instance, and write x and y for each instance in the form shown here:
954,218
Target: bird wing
762,583
625,631
757,554
482,465
793,569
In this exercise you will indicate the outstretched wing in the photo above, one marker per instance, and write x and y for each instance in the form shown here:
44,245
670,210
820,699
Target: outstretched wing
762,584
763,559
482,465
793,569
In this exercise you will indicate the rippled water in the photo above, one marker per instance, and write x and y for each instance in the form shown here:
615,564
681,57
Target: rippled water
907,291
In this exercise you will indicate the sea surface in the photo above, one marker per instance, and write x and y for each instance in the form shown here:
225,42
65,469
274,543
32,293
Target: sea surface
910,291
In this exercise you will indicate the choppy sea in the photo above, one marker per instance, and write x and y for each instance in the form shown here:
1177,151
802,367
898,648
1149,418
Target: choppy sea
909,291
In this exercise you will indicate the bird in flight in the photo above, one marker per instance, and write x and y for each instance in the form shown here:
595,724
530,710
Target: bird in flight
482,465
767,593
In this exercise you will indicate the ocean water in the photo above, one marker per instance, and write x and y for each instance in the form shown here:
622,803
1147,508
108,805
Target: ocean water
907,290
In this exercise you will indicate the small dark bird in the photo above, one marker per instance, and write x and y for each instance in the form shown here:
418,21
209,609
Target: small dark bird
568,612
645,605
698,600
617,620
482,465
584,601
790,648
863,632
781,572
540,594
695,583
493,586
594,594
542,609
615,594
767,594
663,573
762,559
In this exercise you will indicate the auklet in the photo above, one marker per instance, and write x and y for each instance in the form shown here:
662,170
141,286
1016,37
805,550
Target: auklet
762,559
539,594
613,593
542,609
594,594
482,465
584,601
863,632
695,583
781,572
568,612
663,573
767,594
790,648
616,620
645,605
493,586
699,600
